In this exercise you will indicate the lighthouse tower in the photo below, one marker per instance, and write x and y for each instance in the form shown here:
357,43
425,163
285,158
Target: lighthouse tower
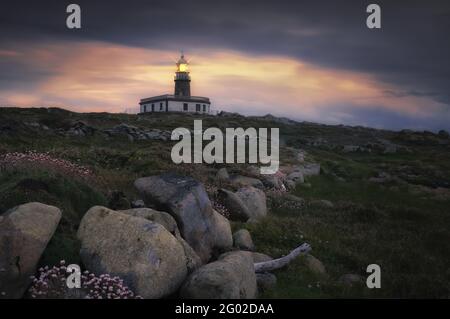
182,78
181,100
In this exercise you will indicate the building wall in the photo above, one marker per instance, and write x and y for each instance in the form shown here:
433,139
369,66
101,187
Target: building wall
176,106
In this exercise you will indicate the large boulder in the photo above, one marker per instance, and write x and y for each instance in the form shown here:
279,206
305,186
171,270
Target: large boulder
223,236
255,200
234,204
145,254
187,201
243,240
232,276
25,231
193,261
156,216
247,203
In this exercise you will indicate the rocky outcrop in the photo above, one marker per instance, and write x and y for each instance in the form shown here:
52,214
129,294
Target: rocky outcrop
134,133
187,201
243,240
193,261
144,253
25,231
232,276
255,200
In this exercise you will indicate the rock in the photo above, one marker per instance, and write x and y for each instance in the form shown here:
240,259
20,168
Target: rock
80,128
162,218
290,184
139,203
222,174
351,280
187,201
259,257
223,236
255,200
234,204
247,203
232,276
241,181
243,240
315,265
193,261
265,281
25,231
135,133
150,260
296,177
275,181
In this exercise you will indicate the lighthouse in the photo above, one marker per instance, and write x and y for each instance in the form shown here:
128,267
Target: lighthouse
182,78
181,100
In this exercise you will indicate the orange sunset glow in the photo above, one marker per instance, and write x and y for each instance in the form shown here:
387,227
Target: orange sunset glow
104,77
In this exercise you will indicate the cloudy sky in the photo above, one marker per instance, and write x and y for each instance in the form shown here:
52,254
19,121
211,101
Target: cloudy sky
307,60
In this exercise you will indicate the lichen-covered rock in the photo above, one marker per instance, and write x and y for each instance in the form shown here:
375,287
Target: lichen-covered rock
255,200
187,201
232,276
25,231
193,261
243,240
234,204
145,254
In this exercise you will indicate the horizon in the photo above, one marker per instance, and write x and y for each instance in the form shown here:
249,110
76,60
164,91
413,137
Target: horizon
309,64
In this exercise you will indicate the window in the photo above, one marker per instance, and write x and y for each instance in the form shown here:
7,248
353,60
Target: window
160,106
145,108
185,106
197,107
204,108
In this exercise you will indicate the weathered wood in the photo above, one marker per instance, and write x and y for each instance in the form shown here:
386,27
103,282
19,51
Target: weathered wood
283,261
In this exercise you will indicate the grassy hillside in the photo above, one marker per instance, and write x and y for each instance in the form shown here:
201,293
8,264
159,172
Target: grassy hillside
390,193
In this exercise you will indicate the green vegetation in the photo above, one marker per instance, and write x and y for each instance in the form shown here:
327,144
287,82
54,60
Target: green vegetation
400,224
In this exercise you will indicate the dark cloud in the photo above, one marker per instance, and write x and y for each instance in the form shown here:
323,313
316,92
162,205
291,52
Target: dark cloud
410,51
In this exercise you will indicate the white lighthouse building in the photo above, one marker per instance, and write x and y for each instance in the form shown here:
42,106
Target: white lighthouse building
181,100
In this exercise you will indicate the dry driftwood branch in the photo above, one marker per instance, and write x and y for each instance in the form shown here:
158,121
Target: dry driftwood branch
283,261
